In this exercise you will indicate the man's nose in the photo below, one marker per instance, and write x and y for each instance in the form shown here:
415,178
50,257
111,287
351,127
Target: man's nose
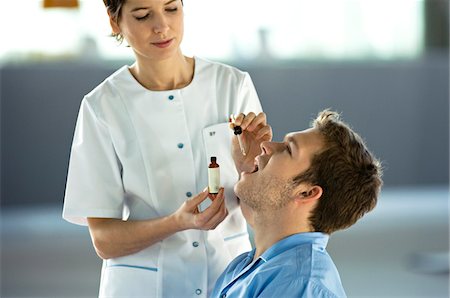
269,147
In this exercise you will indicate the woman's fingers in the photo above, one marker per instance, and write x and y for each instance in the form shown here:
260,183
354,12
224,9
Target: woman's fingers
218,217
214,214
243,120
250,121
215,205
264,133
197,200
247,120
259,121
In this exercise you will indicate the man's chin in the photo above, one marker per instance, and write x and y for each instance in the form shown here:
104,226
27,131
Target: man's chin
238,189
242,196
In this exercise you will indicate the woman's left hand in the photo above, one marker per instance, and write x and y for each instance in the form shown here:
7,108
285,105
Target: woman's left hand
255,130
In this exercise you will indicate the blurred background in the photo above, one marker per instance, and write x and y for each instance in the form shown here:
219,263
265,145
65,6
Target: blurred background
383,64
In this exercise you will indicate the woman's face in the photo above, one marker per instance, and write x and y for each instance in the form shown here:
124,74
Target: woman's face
152,28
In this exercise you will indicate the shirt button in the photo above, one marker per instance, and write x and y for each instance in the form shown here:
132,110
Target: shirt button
198,291
171,97
189,194
195,244
180,145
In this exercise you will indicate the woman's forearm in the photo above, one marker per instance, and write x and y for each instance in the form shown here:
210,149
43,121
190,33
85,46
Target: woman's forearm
114,238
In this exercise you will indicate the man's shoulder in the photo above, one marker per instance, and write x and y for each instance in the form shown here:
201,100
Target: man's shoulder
304,268
295,286
295,283
316,288
298,259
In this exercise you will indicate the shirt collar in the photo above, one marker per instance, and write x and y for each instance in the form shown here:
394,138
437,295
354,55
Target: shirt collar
317,238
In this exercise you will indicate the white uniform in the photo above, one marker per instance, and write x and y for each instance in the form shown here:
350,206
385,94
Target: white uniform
139,154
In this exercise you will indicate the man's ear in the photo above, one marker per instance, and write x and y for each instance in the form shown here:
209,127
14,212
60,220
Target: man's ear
309,194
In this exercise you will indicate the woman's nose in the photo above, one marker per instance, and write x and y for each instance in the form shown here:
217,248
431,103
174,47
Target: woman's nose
160,25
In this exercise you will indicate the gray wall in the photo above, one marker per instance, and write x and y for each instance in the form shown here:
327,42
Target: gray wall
401,109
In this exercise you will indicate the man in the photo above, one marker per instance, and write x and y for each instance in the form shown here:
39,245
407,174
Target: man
315,182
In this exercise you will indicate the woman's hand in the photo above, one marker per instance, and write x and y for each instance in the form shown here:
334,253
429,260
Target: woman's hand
115,238
188,215
255,130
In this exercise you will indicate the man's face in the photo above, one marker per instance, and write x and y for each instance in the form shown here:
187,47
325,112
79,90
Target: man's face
270,187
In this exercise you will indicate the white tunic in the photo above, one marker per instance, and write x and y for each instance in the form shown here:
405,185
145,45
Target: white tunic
139,154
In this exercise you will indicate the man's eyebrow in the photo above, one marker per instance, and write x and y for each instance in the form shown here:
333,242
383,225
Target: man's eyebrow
139,8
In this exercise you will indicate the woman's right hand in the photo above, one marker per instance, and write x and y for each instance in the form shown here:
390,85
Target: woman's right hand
188,215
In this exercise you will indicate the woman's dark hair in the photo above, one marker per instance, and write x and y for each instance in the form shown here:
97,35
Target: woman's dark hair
114,8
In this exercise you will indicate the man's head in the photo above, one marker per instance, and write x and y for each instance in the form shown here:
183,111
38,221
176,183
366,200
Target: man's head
326,170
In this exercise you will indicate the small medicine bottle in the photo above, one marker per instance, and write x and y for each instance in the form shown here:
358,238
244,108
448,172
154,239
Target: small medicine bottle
213,176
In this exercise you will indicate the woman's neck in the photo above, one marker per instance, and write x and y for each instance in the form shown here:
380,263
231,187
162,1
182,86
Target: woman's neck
168,74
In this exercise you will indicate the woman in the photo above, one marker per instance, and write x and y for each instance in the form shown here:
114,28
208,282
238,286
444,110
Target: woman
141,149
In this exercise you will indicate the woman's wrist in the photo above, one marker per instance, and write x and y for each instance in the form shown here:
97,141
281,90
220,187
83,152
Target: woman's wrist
176,220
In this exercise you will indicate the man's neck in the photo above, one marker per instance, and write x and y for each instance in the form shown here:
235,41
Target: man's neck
271,227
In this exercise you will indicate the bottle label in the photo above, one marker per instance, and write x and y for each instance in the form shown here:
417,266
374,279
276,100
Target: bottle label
213,180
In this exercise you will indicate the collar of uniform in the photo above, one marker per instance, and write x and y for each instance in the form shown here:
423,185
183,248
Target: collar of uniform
314,238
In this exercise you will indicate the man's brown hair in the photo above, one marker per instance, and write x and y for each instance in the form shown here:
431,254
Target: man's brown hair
348,173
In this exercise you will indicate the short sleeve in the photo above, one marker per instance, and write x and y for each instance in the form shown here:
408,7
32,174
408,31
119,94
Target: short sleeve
292,287
248,97
94,186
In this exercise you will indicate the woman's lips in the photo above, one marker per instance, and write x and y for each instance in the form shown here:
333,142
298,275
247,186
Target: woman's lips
162,44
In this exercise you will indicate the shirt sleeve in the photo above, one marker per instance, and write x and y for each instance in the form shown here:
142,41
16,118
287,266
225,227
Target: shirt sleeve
94,186
249,100
294,288
314,289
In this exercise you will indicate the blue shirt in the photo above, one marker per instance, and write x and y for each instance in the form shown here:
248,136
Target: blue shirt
296,266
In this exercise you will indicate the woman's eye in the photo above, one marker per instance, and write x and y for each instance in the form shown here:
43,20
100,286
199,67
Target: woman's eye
172,9
142,18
